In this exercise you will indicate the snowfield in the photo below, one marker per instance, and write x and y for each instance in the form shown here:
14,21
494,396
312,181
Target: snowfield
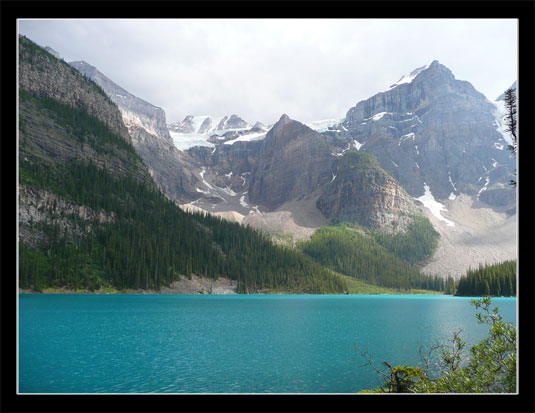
434,206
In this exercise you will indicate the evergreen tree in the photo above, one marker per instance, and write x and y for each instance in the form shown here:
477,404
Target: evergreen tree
510,121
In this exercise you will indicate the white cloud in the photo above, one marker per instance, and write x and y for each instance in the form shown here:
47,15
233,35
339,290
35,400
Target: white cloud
308,68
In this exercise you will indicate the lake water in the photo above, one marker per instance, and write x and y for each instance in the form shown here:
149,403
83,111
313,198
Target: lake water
229,343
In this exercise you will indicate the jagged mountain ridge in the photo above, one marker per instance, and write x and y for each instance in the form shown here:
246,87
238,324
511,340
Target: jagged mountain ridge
208,124
435,130
221,168
90,215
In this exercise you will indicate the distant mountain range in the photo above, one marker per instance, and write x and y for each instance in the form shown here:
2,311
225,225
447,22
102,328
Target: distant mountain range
435,143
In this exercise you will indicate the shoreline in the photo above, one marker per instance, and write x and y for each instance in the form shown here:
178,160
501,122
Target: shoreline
154,292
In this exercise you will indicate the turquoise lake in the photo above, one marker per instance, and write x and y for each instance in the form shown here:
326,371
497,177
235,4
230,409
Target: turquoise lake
229,343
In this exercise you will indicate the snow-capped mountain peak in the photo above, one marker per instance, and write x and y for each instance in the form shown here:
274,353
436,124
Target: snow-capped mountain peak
409,78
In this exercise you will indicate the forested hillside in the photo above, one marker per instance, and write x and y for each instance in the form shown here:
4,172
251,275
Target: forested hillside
354,251
91,217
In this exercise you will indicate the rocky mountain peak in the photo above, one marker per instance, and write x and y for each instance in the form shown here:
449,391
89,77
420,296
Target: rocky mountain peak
432,129
287,129
259,126
293,160
53,52
284,119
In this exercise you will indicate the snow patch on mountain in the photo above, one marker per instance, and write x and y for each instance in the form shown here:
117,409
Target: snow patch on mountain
407,136
197,130
242,201
248,137
484,188
204,180
428,200
324,125
408,78
185,141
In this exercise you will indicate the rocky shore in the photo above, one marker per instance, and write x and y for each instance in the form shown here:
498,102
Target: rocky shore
197,285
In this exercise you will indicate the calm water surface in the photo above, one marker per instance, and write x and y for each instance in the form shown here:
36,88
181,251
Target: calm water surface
229,344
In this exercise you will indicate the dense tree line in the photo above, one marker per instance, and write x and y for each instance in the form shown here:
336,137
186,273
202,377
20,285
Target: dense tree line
489,280
151,242
352,252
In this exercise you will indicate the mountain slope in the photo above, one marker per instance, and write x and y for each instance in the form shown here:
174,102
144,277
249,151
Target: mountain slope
172,169
133,109
91,216
435,130
293,160
363,192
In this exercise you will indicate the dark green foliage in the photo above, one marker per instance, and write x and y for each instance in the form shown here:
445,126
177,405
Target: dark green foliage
414,246
152,241
494,280
350,251
358,160
491,367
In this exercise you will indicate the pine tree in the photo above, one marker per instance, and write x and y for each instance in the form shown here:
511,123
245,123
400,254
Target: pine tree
510,121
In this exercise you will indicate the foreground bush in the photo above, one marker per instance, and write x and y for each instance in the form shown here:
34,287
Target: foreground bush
491,367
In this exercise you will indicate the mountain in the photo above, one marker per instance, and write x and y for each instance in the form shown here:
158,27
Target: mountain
292,161
208,125
428,144
432,130
92,218
361,191
172,169
436,137
134,110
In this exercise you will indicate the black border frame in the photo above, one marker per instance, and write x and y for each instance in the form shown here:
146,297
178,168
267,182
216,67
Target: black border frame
524,11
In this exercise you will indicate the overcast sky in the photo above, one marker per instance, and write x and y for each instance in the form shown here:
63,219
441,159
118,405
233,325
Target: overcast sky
310,69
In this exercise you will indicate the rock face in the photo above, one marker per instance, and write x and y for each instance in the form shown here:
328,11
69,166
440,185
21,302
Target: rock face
432,128
292,162
44,207
363,192
133,109
234,122
172,169
47,143
187,125
292,169
42,74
